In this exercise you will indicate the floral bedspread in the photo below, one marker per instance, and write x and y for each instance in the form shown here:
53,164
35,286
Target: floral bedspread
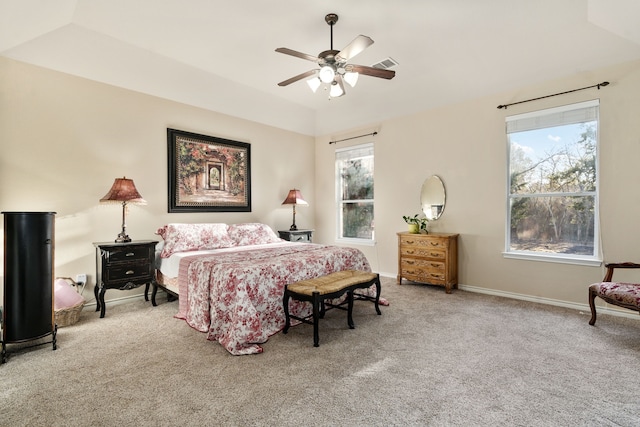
236,297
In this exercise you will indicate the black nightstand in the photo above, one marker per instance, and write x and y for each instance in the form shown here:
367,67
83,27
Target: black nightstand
123,266
296,235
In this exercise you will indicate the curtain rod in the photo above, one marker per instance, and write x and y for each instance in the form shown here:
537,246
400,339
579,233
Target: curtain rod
354,137
603,84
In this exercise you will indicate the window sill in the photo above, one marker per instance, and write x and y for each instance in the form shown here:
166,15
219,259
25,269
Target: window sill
363,242
562,259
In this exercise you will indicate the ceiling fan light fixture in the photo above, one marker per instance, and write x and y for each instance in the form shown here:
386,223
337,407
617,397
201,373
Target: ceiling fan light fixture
334,67
336,90
351,78
314,84
326,74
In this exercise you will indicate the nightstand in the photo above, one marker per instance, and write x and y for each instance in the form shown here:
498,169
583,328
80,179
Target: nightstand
123,266
296,235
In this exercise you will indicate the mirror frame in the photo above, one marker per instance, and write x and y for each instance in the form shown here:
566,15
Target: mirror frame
433,197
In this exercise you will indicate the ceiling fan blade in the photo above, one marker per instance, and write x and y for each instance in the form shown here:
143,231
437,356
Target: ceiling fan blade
296,78
297,54
340,82
371,71
356,46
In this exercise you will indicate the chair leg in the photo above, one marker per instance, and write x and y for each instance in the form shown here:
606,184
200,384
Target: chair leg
592,304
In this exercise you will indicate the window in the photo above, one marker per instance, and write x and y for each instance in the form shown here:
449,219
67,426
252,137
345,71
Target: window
354,192
552,207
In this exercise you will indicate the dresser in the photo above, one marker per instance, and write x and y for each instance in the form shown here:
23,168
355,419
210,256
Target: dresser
428,258
296,235
123,266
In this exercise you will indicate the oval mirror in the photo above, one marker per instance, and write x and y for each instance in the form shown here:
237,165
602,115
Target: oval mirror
432,197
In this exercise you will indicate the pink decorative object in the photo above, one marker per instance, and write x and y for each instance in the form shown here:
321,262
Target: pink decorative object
65,295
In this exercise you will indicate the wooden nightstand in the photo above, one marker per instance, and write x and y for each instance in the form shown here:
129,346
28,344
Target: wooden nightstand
123,266
296,235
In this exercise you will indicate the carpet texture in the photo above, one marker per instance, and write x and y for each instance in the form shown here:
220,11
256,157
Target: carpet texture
431,359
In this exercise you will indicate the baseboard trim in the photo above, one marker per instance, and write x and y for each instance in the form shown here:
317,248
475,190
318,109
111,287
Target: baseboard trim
116,301
583,308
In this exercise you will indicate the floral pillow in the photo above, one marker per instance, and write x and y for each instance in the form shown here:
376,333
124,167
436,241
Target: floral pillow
252,234
193,237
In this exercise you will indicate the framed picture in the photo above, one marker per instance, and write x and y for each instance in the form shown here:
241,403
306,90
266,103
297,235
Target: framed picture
208,174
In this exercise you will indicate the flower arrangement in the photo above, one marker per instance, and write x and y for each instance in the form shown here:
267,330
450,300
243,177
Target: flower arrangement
418,224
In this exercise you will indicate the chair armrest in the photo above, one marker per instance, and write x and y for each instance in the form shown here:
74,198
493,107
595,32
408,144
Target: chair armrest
612,266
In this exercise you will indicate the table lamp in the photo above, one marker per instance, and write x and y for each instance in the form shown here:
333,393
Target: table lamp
294,198
123,191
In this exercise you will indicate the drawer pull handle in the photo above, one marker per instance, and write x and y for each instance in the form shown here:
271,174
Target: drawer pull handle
435,254
129,272
435,243
410,262
435,265
130,254
410,251
410,242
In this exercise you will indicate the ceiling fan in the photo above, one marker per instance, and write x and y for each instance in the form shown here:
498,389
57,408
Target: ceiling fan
334,69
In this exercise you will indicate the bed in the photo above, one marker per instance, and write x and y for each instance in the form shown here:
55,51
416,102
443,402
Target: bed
230,278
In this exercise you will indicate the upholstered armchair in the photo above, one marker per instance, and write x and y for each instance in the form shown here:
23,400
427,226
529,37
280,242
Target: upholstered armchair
622,294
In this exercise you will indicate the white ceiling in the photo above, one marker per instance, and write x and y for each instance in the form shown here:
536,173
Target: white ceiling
219,55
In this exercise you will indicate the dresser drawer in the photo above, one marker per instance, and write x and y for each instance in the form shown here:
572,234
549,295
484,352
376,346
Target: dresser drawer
300,238
413,251
126,254
423,264
423,276
127,272
430,243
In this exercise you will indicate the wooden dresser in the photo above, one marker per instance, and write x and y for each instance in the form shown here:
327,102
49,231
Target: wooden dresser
428,258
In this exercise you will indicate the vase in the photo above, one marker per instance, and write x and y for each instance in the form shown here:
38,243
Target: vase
413,228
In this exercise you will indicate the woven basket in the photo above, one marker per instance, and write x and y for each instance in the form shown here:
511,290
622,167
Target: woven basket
68,316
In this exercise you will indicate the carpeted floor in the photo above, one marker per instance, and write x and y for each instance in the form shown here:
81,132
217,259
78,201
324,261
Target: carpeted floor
431,359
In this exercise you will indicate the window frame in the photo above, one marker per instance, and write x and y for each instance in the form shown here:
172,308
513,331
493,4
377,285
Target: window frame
338,197
592,260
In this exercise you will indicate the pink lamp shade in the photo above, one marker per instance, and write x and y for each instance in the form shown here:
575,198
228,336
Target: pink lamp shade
123,191
294,198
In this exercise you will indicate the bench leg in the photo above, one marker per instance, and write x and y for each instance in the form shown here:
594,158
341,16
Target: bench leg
316,315
285,305
350,310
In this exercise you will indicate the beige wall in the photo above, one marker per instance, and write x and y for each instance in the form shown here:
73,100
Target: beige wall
465,145
65,139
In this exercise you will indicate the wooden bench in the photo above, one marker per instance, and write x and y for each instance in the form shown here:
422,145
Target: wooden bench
332,286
